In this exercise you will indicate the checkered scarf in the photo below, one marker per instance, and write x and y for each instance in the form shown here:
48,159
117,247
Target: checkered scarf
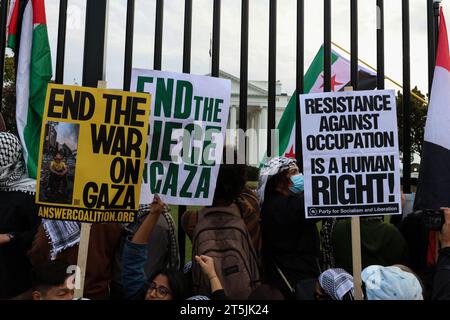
174,256
13,173
336,283
62,235
271,168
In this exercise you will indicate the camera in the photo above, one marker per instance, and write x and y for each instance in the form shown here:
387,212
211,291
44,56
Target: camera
433,219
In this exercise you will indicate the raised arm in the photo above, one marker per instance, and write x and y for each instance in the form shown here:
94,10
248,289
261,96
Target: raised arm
143,233
135,252
207,265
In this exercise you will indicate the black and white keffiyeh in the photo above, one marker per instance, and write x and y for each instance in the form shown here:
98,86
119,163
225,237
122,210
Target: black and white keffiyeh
62,235
271,168
336,283
13,173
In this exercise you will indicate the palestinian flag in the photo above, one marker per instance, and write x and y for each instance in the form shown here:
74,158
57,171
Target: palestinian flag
28,38
433,190
340,78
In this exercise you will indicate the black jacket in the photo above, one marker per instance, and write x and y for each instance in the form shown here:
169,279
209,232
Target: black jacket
441,287
290,241
18,215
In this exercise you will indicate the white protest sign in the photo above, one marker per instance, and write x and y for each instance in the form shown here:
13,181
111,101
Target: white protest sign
350,154
188,120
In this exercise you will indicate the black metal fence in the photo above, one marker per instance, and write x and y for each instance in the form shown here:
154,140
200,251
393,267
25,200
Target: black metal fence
94,49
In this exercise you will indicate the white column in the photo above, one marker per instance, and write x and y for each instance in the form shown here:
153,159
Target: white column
232,119
232,125
254,139
264,133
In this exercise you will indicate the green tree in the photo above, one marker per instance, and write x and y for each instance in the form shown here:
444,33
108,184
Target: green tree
8,107
418,119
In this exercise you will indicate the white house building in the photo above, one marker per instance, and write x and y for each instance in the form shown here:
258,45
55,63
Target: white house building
257,108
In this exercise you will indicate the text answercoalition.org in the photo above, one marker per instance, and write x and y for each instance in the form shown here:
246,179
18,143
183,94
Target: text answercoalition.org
84,215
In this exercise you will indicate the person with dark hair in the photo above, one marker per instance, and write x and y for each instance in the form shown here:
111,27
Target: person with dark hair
59,240
441,287
18,218
231,190
51,281
163,256
167,284
234,217
290,242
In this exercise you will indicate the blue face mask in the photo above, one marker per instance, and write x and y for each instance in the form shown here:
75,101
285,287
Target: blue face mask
297,183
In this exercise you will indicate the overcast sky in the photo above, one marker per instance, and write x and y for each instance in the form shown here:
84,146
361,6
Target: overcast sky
230,37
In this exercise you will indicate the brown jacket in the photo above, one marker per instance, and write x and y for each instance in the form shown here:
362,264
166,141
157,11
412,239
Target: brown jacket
249,206
103,242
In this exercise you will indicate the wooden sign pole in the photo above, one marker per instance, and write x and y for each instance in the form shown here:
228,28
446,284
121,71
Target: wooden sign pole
83,247
356,249
356,257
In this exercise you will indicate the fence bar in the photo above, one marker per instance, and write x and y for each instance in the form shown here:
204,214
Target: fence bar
431,44
380,44
3,22
243,90
354,44
129,32
327,46
95,42
436,7
187,38
406,99
216,39
272,74
187,45
158,34
300,83
61,46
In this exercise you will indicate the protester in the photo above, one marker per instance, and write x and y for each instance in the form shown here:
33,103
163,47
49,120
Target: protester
59,240
167,284
207,265
335,284
52,281
163,255
231,188
290,247
441,287
381,244
230,228
422,244
390,283
18,218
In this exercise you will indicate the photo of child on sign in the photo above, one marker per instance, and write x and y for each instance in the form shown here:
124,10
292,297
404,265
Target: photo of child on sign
58,162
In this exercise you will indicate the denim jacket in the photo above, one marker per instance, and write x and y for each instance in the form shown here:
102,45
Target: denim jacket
134,279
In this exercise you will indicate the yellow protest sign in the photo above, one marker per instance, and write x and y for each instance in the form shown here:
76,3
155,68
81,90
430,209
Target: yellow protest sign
91,155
